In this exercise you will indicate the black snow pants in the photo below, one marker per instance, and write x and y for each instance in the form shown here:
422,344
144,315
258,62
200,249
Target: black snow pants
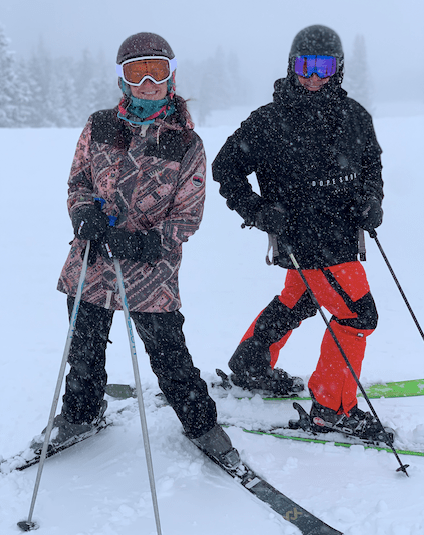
170,359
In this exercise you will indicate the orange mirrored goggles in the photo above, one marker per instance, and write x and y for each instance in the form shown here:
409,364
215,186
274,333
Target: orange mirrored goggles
158,69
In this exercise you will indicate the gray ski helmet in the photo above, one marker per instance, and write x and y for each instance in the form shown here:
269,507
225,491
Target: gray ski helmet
317,40
144,44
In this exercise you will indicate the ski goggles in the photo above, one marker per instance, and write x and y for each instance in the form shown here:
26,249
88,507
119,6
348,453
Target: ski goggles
158,69
323,66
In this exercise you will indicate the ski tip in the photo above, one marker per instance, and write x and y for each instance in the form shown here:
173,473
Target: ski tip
225,380
221,374
25,525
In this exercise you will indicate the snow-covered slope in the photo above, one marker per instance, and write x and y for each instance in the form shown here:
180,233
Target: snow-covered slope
101,487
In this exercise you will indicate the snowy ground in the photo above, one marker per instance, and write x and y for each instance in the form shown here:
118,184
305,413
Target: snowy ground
101,487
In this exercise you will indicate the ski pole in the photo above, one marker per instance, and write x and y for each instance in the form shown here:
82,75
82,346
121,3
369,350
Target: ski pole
28,525
373,235
143,419
402,467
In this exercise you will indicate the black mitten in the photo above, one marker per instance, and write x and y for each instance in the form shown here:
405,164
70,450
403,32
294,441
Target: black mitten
152,249
89,222
123,244
134,246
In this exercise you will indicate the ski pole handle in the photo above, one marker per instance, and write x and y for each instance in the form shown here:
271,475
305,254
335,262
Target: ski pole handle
102,202
112,221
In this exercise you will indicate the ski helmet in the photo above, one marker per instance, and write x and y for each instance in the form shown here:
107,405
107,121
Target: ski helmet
318,40
144,44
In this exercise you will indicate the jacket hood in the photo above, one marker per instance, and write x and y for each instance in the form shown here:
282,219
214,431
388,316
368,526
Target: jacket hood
289,92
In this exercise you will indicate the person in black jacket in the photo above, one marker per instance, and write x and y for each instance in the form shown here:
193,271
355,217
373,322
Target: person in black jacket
318,166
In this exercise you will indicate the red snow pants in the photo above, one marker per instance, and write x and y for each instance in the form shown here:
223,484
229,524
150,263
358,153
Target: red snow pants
344,291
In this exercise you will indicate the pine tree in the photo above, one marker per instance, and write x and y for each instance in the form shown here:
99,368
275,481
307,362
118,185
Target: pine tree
235,80
101,91
213,84
357,79
39,75
8,84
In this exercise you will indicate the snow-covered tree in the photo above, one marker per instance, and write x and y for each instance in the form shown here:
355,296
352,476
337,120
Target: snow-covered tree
8,84
357,78
214,83
100,89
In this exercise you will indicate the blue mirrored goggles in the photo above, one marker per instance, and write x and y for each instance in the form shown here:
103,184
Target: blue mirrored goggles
323,66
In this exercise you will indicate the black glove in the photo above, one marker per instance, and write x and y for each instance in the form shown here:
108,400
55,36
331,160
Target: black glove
134,246
95,249
246,207
152,247
370,214
271,219
89,222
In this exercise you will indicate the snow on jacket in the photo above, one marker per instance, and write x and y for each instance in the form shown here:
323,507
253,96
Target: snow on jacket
317,157
151,178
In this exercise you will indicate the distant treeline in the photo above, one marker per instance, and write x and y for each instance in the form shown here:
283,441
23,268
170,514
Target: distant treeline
42,91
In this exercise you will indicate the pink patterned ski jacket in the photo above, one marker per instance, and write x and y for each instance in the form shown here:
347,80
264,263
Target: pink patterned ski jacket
151,177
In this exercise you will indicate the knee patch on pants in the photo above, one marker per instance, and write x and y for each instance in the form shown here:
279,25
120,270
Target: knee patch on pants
366,311
278,319
252,356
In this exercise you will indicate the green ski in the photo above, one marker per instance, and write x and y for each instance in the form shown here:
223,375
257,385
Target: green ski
397,389
276,434
122,391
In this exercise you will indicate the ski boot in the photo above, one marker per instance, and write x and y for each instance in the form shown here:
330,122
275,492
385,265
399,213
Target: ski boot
358,424
216,444
63,432
278,384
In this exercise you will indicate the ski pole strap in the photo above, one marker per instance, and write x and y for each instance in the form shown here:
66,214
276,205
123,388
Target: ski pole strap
112,220
361,245
102,202
273,248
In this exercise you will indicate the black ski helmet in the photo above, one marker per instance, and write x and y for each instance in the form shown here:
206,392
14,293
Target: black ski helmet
144,44
318,40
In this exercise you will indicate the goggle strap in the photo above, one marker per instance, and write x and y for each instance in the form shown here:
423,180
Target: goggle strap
119,70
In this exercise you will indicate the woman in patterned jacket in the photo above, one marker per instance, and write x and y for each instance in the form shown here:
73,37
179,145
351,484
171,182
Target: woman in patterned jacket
146,163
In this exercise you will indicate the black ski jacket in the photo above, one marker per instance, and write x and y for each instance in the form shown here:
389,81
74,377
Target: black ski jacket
316,157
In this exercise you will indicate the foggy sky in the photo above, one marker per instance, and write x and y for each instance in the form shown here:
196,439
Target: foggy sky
259,31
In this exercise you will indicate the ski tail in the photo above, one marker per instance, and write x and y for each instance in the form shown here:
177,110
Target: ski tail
306,522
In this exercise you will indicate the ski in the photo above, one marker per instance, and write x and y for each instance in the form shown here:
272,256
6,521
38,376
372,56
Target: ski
118,391
307,523
337,439
281,432
30,457
397,389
